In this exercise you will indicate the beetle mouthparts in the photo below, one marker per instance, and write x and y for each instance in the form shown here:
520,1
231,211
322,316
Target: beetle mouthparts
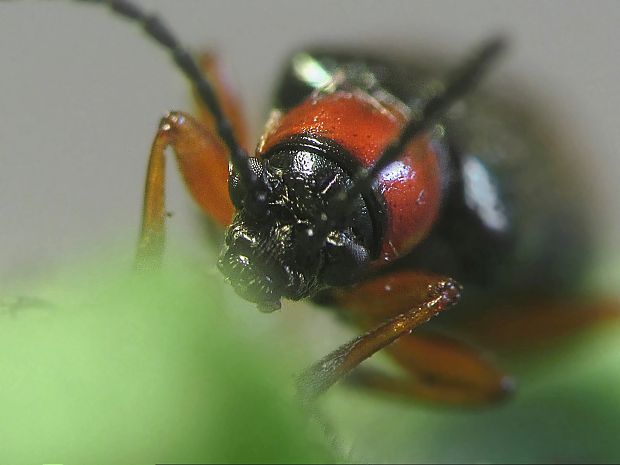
248,282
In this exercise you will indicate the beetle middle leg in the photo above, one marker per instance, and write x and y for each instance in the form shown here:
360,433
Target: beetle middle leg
439,369
440,294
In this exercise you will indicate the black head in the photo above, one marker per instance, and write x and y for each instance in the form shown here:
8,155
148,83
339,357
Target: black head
287,243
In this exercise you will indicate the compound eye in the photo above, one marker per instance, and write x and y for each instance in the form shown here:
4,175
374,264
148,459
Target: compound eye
236,189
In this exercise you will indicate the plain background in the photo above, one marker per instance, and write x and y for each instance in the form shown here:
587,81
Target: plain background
81,93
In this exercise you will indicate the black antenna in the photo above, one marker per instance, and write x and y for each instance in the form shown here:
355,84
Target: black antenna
460,82
159,32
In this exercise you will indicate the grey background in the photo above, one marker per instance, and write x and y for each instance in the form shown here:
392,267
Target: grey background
81,93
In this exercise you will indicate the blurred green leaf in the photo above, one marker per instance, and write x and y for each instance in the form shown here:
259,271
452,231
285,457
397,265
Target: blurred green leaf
140,370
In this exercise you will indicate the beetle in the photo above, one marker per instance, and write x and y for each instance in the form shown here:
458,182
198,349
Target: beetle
371,192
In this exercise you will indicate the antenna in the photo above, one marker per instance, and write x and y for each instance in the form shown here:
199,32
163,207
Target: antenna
461,81
160,33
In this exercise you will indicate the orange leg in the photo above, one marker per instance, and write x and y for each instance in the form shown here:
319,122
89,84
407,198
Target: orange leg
203,162
440,369
380,298
438,295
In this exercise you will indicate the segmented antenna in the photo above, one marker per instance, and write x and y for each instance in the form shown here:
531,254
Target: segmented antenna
160,33
459,83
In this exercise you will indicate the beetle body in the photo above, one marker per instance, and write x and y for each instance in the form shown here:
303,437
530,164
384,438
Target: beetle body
375,184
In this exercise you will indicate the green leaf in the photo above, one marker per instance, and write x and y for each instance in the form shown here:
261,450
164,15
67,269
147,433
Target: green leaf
140,370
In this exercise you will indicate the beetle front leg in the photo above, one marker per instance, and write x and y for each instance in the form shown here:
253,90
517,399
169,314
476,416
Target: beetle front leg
203,162
441,295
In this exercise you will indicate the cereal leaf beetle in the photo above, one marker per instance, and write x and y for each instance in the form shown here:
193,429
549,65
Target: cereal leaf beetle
283,243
